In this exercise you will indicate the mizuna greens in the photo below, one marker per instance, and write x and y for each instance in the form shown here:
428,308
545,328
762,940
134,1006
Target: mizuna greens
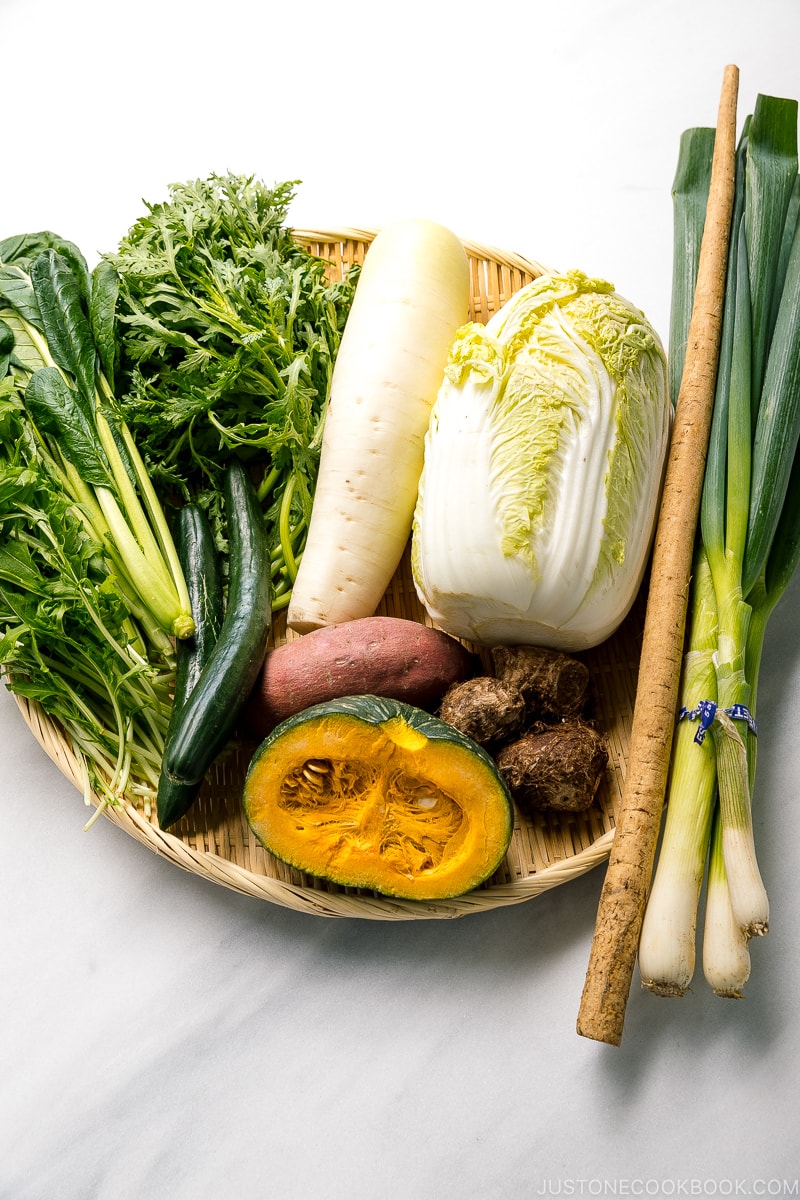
747,551
91,591
543,466
227,334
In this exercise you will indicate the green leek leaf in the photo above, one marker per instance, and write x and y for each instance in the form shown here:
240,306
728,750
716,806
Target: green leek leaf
714,498
792,218
771,174
690,195
777,427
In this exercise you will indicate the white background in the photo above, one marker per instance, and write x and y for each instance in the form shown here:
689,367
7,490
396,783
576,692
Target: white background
162,1037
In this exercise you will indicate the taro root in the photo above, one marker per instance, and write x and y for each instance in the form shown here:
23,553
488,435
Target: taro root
485,709
558,769
552,683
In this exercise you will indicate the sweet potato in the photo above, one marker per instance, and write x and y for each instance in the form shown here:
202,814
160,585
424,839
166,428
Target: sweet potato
382,656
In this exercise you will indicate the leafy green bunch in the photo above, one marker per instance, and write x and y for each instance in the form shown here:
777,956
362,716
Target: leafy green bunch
227,334
88,599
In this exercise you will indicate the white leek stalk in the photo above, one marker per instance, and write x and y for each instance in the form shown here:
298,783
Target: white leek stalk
667,941
726,957
748,897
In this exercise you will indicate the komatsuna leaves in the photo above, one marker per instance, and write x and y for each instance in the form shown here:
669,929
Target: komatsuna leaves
17,290
102,315
6,346
17,253
57,411
62,304
23,248
25,353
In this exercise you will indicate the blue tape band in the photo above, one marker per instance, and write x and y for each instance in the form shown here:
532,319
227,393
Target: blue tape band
705,712
740,712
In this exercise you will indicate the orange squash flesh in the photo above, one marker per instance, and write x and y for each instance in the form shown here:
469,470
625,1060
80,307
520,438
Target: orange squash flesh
375,794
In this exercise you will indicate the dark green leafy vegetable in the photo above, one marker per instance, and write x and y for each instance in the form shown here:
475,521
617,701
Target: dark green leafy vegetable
72,638
228,330
90,586
44,303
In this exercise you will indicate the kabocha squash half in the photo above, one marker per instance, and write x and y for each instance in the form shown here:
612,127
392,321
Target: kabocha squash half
369,792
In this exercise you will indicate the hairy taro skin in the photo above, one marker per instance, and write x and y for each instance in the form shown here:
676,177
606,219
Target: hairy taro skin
384,656
552,683
558,769
485,709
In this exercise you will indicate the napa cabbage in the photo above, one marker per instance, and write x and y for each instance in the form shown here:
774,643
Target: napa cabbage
543,466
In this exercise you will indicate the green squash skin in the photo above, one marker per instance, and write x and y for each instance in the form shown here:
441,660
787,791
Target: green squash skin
375,711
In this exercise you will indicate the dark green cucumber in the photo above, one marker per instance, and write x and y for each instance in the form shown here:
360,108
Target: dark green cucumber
194,543
199,560
209,714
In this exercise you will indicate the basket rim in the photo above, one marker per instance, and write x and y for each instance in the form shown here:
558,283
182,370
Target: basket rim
479,250
316,901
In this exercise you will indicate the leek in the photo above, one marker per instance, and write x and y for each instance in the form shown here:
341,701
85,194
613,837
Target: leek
690,195
667,941
748,545
726,955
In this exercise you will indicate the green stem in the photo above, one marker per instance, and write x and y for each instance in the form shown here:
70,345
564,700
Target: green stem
284,529
159,522
267,484
130,500
157,593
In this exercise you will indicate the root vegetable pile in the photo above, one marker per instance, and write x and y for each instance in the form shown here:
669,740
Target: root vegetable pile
557,768
531,715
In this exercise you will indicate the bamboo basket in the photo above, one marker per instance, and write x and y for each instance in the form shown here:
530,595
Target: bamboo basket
214,841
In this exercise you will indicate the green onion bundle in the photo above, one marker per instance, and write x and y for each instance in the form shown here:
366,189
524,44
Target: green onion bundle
746,553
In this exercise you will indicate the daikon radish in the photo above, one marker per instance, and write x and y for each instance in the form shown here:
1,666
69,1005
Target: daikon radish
412,296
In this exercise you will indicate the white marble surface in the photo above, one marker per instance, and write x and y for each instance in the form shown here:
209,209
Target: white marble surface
162,1037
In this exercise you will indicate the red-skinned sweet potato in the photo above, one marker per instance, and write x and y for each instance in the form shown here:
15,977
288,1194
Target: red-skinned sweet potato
382,656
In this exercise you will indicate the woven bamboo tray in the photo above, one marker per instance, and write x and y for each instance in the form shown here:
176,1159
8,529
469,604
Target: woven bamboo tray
214,840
